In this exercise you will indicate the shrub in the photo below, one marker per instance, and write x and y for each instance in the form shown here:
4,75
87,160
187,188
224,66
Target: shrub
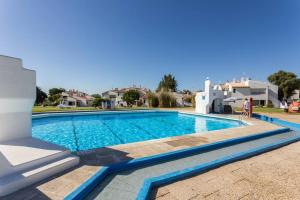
54,99
97,102
131,97
166,100
188,99
270,104
173,102
194,101
41,96
140,103
153,100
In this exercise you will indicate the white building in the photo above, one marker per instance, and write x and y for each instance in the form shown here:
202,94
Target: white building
116,96
295,96
212,99
75,98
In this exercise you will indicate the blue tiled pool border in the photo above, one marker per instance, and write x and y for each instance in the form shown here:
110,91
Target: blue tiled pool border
178,175
91,183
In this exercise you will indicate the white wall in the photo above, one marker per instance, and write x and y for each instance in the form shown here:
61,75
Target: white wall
205,99
17,96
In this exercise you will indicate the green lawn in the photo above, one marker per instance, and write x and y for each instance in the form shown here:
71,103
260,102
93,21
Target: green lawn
268,110
264,110
38,109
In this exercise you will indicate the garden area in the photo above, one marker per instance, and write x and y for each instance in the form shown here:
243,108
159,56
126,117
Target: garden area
41,109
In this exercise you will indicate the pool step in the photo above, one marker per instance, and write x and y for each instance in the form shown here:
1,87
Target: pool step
22,154
29,160
14,182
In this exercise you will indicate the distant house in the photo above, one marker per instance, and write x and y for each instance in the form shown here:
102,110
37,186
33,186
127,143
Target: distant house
116,96
181,97
212,98
75,98
295,96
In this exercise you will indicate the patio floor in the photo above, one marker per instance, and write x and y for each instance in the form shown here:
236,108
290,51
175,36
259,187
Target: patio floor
273,175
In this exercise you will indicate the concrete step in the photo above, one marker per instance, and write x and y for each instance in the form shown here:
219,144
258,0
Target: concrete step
41,162
19,180
28,153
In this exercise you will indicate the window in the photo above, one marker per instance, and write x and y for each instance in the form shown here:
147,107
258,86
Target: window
258,91
256,102
234,90
203,97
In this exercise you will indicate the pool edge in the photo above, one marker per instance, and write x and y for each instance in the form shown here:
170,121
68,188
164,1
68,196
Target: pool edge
89,185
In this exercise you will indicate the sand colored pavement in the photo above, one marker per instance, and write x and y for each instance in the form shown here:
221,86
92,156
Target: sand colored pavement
284,116
273,175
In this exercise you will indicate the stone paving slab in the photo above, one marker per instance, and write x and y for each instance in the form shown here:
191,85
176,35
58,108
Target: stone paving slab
284,116
273,175
129,182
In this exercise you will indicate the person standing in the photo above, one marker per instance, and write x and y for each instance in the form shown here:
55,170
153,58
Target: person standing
246,107
251,107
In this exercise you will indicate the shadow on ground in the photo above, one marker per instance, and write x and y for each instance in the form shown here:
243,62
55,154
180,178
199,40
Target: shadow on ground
98,158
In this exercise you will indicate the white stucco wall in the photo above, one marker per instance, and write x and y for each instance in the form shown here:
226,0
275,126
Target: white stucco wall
204,100
17,96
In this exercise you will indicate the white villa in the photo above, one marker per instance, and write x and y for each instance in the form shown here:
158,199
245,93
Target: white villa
75,98
116,96
212,98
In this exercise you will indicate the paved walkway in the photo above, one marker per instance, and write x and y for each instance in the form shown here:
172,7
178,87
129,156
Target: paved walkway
287,117
125,185
62,184
273,175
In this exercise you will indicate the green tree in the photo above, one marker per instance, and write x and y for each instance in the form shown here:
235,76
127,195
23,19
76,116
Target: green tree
97,102
54,95
41,96
54,91
131,96
287,83
188,92
96,95
168,84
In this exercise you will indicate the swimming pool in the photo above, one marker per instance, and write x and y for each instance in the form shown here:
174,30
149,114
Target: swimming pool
79,132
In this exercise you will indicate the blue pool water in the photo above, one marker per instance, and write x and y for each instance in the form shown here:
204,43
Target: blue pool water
84,132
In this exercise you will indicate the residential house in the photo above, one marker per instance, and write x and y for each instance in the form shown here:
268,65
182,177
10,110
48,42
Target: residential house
181,97
75,98
212,98
295,96
116,96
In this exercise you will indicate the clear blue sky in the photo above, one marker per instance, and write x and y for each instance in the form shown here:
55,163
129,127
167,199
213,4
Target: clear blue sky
96,45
